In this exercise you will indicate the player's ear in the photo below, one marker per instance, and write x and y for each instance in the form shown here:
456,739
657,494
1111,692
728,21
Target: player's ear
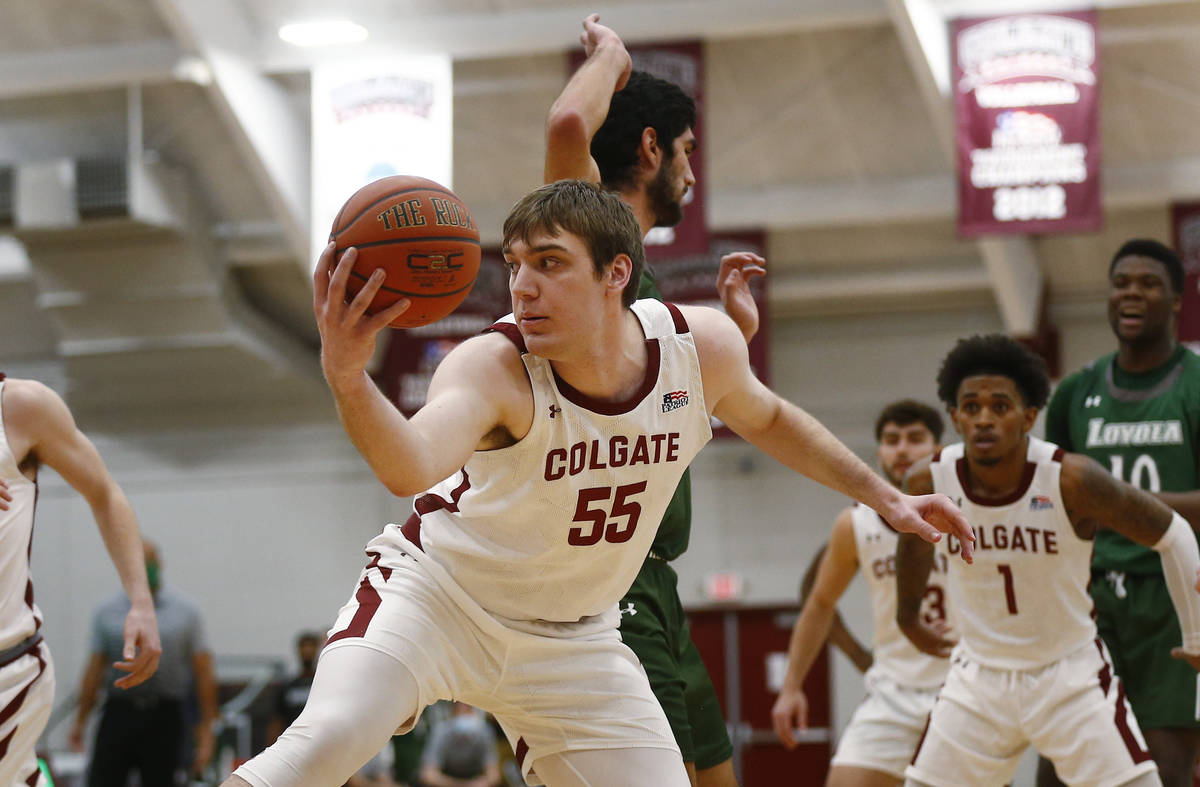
650,153
953,411
1031,414
618,273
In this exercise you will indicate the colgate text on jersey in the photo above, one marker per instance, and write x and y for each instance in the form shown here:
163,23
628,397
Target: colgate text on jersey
587,455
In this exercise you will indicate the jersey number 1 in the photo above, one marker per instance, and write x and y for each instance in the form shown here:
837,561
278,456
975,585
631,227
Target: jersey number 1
612,532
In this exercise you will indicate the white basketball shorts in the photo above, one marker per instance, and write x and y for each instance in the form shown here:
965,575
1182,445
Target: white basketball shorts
1072,711
26,699
883,732
553,687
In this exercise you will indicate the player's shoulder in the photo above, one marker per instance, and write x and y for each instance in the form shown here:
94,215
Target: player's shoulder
488,353
712,329
33,403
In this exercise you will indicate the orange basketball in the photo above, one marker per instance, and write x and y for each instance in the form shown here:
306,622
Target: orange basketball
422,236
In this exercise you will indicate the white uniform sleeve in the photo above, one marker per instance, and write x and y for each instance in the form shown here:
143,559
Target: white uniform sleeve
1181,562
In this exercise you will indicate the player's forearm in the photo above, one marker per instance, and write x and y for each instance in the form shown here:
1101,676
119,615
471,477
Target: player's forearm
1181,562
119,530
1187,504
808,637
914,562
396,452
586,98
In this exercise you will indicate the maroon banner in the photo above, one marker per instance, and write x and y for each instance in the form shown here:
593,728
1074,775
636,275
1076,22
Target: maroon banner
1185,220
1027,129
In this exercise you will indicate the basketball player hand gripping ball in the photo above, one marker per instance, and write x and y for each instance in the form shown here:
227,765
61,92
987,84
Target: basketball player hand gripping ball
413,242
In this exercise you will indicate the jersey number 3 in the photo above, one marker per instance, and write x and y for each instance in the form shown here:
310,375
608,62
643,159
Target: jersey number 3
601,528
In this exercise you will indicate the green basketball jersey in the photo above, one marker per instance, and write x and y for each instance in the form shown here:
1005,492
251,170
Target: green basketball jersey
676,526
1145,428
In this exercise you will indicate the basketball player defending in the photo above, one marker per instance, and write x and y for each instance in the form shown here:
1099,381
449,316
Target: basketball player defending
541,463
902,683
1137,412
35,428
637,143
1029,668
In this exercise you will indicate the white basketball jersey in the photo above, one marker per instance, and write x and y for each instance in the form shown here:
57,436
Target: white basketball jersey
1024,603
556,526
894,656
19,616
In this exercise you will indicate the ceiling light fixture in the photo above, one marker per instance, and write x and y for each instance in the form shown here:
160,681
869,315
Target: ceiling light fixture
324,32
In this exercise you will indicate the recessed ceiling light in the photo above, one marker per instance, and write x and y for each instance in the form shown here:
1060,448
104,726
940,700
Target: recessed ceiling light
324,32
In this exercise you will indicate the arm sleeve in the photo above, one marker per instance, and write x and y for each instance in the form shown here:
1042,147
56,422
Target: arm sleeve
1181,562
1058,421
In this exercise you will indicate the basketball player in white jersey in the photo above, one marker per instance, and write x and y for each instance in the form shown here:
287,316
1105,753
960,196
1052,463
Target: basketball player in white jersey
37,428
542,462
902,682
1029,667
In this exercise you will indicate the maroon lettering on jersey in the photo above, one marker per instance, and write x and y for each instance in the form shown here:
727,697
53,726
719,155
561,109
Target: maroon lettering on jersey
647,449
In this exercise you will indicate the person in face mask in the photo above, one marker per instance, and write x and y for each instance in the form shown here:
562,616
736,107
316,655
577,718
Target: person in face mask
144,728
294,693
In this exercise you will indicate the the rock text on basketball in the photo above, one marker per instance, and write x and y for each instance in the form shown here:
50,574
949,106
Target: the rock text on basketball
403,214
450,214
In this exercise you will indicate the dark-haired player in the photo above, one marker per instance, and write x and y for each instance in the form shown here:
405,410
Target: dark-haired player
1029,668
539,466
634,133
1137,413
903,682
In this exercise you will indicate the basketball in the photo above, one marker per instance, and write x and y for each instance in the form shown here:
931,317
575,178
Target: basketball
422,236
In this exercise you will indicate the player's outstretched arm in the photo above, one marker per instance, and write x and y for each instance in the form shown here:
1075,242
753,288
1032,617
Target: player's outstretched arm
579,111
55,440
839,636
1095,499
468,396
795,438
838,566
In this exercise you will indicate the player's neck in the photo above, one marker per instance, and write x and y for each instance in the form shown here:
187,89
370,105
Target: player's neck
612,366
999,479
1145,355
639,202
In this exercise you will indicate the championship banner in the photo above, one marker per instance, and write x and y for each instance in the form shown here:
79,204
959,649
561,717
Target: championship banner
1027,129
1186,226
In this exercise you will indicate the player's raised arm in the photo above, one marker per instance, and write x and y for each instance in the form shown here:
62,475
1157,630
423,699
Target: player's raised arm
792,436
581,108
468,396
1095,499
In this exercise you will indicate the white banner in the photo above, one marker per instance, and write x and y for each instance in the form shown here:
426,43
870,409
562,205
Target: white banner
374,119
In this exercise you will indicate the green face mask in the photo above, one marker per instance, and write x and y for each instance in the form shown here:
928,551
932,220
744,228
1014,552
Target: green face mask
152,575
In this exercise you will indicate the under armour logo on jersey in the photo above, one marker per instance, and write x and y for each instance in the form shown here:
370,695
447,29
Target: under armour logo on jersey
554,410
1093,401
629,609
1117,580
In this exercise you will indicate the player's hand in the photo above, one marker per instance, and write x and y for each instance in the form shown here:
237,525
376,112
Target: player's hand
1191,658
928,516
733,285
789,713
5,495
595,36
348,333
142,647
932,638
